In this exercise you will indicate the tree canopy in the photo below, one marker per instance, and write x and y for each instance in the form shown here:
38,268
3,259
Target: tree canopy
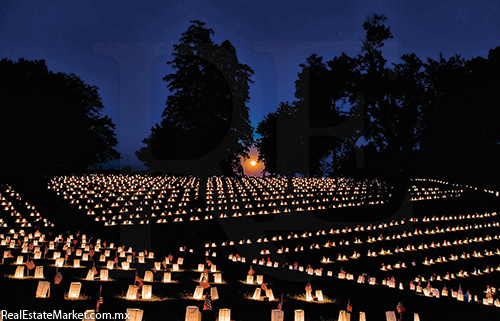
51,122
419,117
206,108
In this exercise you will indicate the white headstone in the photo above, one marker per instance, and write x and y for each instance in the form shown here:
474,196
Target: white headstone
148,276
74,290
132,292
39,272
299,315
103,275
213,293
19,274
193,314
224,315
390,316
277,315
90,275
198,293
135,314
42,290
89,315
147,292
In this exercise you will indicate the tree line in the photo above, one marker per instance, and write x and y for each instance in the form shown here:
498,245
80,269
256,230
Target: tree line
352,116
51,123
433,118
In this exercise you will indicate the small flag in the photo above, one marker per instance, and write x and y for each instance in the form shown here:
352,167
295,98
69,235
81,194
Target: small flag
204,283
91,253
164,262
100,301
31,246
58,278
251,271
170,257
263,287
209,263
208,303
139,281
400,307
308,287
30,265
349,306
280,305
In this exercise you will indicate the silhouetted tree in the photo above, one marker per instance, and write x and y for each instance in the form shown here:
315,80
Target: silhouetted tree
51,122
445,88
393,102
207,105
483,82
461,134
436,118
323,92
267,144
374,82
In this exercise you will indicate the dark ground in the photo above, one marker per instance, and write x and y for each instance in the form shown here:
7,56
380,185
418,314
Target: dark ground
166,238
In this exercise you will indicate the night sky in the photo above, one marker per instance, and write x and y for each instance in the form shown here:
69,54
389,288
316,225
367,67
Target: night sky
122,46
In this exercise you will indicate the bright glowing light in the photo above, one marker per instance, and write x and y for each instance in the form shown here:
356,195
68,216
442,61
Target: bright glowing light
253,163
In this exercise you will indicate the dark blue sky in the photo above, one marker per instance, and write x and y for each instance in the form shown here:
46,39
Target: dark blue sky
122,46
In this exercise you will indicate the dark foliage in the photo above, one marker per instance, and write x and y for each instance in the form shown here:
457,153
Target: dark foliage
433,118
51,122
207,106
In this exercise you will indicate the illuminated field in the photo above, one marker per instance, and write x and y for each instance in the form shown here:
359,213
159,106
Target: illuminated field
427,259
